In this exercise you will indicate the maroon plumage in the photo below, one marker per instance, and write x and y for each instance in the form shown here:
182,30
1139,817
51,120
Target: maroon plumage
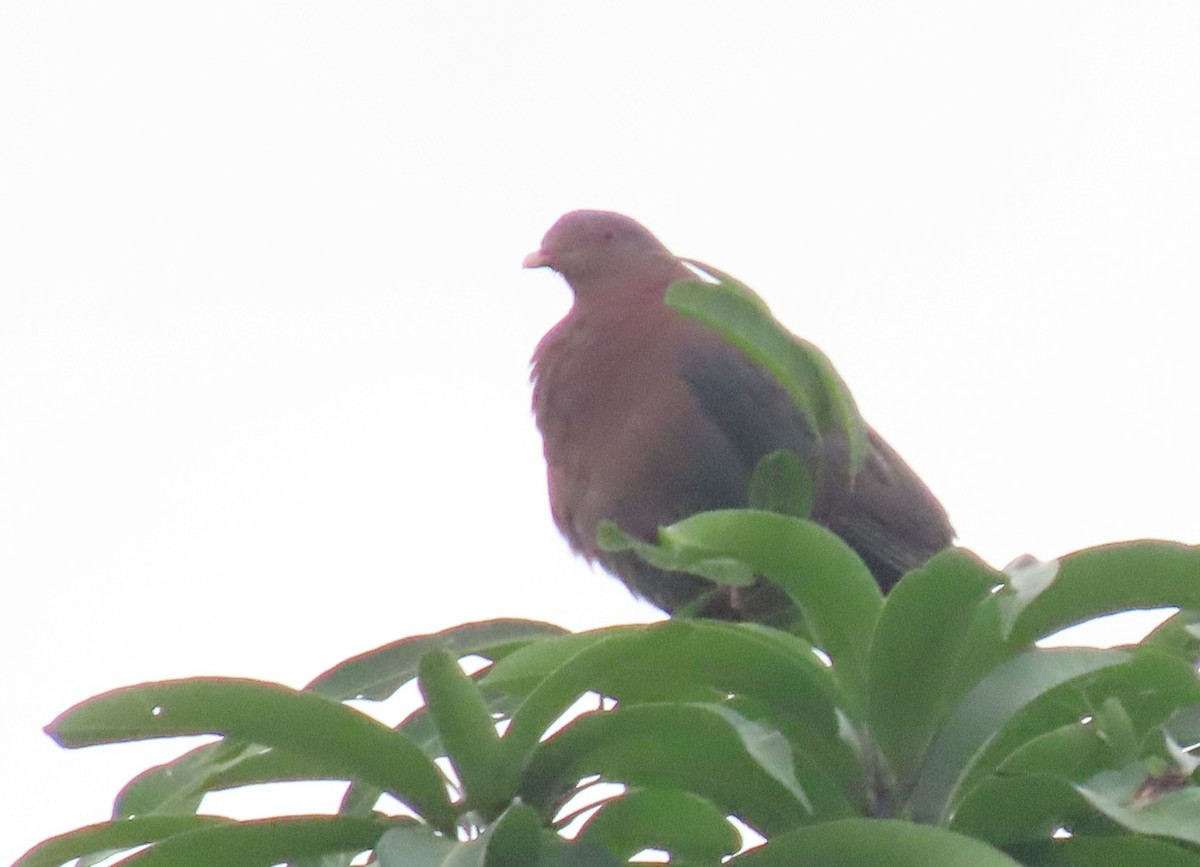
647,417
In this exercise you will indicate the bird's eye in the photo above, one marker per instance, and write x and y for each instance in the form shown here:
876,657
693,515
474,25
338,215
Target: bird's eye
608,236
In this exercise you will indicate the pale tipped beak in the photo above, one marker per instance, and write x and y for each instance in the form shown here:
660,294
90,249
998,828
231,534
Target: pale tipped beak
536,259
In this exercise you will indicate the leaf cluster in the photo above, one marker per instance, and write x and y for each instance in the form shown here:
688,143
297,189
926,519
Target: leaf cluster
929,726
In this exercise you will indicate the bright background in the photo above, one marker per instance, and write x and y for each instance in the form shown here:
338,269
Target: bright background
264,337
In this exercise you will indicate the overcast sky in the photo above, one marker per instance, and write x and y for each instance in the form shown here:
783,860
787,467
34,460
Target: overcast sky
264,337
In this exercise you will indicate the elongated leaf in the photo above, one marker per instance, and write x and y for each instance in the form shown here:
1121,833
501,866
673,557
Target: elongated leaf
178,786
1146,803
873,842
681,823
1180,634
378,673
925,624
1033,794
469,734
115,836
1072,752
522,671
834,591
985,710
1108,851
268,714
1110,578
1025,808
692,748
263,842
515,840
1151,688
414,846
741,317
689,660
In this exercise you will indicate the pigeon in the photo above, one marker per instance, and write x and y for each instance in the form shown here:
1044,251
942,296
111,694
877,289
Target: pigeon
648,416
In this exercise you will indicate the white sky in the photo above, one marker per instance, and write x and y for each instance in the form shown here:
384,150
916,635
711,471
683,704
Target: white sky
264,337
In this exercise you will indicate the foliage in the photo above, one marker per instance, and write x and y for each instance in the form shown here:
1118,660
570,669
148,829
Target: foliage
926,728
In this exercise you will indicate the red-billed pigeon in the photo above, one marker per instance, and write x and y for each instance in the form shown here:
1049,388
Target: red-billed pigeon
648,416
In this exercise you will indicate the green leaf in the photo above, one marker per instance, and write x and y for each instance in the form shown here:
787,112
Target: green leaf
1179,634
926,623
418,846
831,587
1022,808
109,837
781,483
668,554
1126,851
377,674
1150,688
872,842
690,747
693,661
681,823
1147,803
1108,579
523,671
741,317
468,733
516,839
262,842
1071,752
1184,725
178,786
267,714
984,711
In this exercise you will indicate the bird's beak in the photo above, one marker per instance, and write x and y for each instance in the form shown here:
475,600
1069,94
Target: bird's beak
537,259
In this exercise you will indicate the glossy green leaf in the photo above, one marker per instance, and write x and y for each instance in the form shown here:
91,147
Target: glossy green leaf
116,836
830,585
1071,752
1147,803
1022,808
1151,688
984,711
1106,579
693,661
692,748
808,376
267,714
681,823
377,674
926,622
871,843
468,733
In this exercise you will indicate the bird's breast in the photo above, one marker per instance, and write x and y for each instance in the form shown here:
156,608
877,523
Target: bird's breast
623,434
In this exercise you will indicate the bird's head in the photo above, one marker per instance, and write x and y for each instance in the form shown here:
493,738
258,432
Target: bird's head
600,251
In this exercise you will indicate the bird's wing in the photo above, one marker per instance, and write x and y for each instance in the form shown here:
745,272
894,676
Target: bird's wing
889,517
892,519
745,402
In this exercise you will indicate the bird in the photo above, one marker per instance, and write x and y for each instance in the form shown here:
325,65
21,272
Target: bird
648,416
